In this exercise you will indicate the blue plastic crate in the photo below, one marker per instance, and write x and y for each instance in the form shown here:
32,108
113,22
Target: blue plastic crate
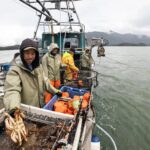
70,90
5,67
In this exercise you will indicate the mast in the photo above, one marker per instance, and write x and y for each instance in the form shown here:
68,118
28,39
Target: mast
45,7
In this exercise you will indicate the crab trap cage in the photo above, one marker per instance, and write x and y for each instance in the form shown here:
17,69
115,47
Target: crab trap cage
85,79
45,130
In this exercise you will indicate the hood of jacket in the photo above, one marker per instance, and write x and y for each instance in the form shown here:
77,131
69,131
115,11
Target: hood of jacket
18,62
53,46
29,43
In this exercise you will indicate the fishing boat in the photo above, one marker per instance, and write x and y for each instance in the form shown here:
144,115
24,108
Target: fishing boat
67,33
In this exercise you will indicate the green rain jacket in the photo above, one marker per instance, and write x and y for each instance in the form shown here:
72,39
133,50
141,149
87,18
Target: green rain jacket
25,86
87,60
51,64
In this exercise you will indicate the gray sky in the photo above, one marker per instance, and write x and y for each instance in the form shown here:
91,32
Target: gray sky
122,16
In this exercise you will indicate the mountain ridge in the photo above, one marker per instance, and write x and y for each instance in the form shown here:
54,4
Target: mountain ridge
12,47
114,39
118,39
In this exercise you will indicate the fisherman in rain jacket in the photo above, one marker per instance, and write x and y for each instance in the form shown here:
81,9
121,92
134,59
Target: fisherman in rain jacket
25,82
87,59
69,61
51,63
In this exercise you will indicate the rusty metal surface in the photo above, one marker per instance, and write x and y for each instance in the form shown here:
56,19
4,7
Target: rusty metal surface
42,133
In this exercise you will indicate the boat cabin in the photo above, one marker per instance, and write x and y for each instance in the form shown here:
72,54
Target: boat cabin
65,41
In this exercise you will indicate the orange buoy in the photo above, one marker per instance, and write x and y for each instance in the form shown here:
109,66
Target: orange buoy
84,104
86,96
76,97
70,104
60,106
63,109
65,94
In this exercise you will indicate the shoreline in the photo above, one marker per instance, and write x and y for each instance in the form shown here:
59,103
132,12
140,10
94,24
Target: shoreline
8,49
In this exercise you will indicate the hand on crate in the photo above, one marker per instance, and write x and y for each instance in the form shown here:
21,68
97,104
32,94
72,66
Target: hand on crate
59,93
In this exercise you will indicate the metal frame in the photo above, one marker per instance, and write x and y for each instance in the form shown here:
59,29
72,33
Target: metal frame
40,7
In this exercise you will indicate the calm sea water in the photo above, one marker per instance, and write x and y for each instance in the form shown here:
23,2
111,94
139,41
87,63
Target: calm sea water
7,56
122,99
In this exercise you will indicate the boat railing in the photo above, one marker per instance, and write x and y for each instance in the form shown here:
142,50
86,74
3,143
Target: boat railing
84,79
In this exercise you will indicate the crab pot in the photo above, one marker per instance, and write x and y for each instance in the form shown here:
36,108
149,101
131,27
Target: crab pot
83,80
44,130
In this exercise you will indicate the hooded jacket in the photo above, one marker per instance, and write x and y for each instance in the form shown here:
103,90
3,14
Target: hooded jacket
23,85
69,61
51,64
87,60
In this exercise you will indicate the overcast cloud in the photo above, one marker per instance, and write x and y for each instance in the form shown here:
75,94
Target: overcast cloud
122,16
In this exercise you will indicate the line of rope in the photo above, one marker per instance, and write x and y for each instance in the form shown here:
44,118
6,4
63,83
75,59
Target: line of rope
104,131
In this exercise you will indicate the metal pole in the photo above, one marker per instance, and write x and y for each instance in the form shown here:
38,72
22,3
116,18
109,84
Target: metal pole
37,26
43,8
67,4
38,11
76,14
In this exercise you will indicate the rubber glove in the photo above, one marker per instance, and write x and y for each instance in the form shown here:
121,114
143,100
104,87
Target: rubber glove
59,93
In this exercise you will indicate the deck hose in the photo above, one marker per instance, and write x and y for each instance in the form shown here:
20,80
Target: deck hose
106,133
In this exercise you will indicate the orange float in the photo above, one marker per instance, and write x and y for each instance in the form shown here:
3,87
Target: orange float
76,97
60,106
86,96
84,104
65,94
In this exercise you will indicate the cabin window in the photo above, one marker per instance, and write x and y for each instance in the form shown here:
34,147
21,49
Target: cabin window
71,42
67,44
